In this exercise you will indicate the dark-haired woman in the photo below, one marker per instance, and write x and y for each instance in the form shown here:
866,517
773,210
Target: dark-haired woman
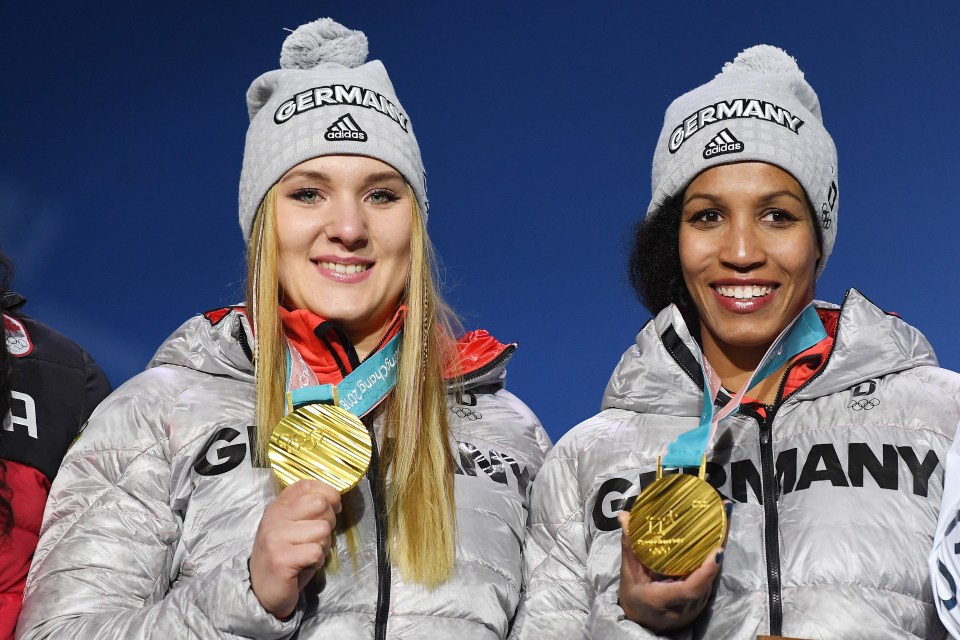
166,519
49,386
824,427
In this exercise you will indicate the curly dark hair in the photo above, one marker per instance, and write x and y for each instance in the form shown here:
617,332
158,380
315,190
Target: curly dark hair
654,266
6,510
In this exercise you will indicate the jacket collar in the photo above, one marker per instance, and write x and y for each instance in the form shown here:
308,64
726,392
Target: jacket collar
325,346
869,344
659,374
220,342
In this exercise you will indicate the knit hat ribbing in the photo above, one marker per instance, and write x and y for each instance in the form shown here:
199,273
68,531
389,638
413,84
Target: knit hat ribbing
759,108
324,100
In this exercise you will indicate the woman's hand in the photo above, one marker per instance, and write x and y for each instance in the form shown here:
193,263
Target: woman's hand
292,543
660,604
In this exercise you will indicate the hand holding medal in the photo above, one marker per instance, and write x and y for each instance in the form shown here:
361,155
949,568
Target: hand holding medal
322,441
661,605
293,540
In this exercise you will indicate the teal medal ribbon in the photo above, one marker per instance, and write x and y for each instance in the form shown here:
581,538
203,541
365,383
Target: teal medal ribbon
688,449
362,390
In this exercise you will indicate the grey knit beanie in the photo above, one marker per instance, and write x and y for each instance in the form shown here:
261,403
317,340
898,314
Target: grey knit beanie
759,108
324,100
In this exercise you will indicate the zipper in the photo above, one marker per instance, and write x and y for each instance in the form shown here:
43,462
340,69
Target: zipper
383,556
241,336
490,366
380,518
383,340
771,537
770,496
778,399
768,489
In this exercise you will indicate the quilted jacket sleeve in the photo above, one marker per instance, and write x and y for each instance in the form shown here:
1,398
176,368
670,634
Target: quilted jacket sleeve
945,557
565,595
104,566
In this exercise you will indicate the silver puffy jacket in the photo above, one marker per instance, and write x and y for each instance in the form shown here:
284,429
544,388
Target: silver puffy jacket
835,493
151,520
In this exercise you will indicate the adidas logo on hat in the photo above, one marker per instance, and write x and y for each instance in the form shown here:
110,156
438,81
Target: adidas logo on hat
722,143
345,128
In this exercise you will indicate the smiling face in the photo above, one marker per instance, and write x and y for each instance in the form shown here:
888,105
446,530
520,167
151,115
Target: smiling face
344,225
748,252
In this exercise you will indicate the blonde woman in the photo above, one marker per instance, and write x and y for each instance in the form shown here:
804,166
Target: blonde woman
166,519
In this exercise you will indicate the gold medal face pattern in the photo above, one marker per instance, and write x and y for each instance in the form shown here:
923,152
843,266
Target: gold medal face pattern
676,523
320,442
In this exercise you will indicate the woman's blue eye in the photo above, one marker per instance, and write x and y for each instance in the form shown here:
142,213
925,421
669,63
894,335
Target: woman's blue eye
307,196
383,196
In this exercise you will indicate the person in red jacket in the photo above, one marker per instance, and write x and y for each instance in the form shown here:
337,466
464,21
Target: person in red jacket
49,386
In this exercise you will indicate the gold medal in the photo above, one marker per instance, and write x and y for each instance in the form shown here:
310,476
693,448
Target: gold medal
321,442
676,523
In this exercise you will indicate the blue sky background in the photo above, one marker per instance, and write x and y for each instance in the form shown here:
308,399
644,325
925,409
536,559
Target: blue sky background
123,125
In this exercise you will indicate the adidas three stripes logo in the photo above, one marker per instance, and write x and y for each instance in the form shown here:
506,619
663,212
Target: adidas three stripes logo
723,142
345,128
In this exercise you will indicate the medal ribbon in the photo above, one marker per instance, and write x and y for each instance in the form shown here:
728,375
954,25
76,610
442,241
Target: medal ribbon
358,393
688,449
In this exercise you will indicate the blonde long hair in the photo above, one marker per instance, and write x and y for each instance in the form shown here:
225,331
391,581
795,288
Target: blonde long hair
418,464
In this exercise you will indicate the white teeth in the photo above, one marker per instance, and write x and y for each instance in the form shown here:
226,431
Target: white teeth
743,293
343,268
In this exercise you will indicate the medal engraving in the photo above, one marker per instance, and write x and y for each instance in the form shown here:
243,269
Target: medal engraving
320,442
676,523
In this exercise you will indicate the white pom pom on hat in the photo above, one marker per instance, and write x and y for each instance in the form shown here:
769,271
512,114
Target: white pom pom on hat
775,62
762,58
759,108
323,41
